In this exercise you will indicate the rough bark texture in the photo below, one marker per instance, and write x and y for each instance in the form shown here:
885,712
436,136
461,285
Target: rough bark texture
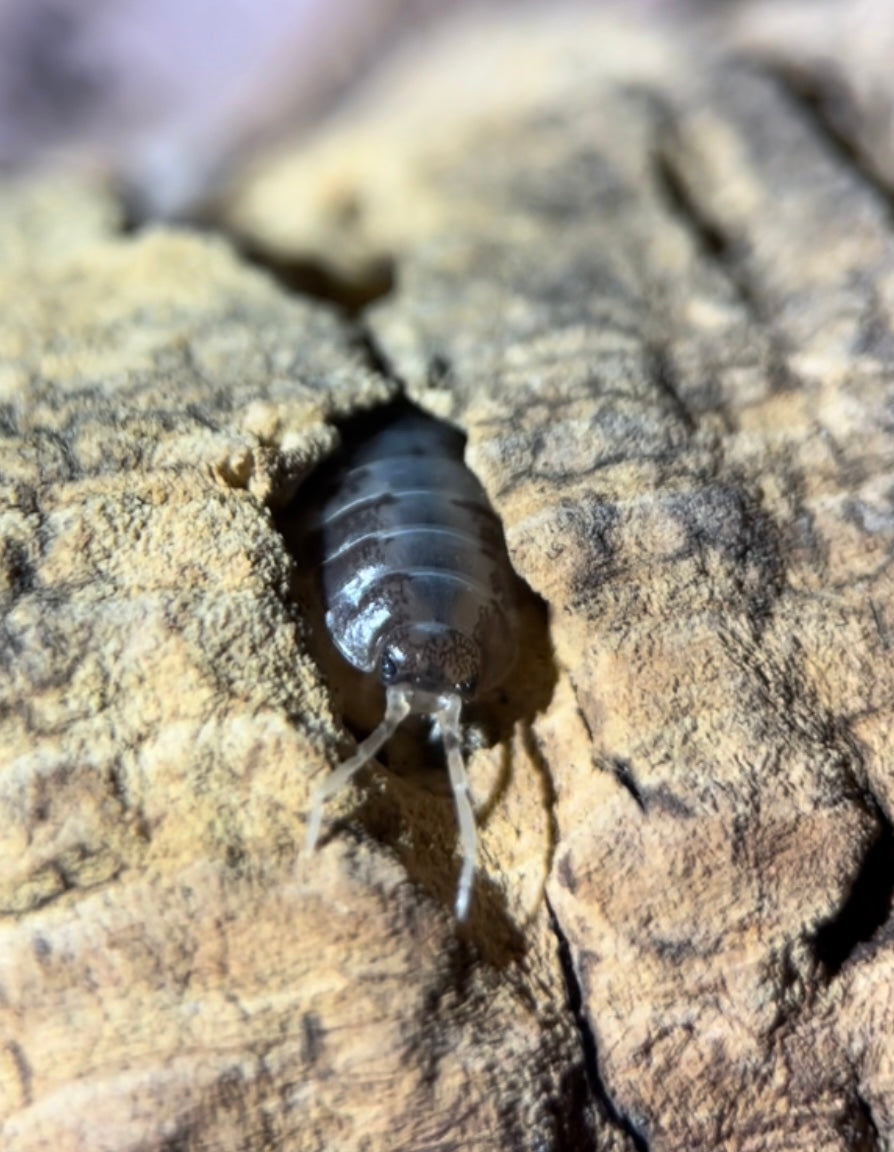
640,269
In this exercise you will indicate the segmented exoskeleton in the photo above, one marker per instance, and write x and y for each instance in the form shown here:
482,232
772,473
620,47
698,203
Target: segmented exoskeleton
417,589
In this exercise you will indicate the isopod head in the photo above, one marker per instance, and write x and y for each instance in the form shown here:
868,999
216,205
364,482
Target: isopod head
431,658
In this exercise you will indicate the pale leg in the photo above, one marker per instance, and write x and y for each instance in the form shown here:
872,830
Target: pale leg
448,720
396,709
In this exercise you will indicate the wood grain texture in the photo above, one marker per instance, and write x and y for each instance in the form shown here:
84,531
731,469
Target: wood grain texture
633,267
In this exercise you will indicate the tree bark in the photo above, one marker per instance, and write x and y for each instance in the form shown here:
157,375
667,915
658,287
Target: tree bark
638,265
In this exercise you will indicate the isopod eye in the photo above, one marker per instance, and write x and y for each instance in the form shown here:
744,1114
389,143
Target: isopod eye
467,687
387,668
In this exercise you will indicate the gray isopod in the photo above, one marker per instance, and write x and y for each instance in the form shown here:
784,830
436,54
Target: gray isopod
417,590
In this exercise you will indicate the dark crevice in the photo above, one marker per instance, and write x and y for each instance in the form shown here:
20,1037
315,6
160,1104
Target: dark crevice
606,1107
66,880
664,376
439,370
715,244
828,105
374,355
867,907
880,625
313,1038
857,1126
307,275
712,240
17,566
623,773
24,1071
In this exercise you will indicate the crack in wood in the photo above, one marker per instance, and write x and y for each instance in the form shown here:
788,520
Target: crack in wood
606,1107
828,108
866,907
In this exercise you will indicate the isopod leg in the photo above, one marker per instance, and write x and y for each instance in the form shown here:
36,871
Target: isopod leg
396,709
448,720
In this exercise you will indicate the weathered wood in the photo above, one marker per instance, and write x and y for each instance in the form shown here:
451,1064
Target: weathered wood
658,299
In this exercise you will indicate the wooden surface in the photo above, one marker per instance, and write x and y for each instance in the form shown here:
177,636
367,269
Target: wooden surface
638,265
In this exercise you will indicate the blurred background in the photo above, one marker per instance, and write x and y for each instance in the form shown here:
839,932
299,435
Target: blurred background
170,98
166,95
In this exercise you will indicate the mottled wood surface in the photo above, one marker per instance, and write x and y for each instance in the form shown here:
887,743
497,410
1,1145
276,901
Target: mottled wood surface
638,265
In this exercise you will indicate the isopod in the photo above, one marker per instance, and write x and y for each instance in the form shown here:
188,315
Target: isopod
417,589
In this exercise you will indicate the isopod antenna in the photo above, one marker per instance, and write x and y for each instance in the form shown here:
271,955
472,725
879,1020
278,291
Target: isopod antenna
397,708
448,718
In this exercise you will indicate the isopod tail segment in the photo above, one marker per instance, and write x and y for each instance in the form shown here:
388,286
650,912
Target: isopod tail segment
445,709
